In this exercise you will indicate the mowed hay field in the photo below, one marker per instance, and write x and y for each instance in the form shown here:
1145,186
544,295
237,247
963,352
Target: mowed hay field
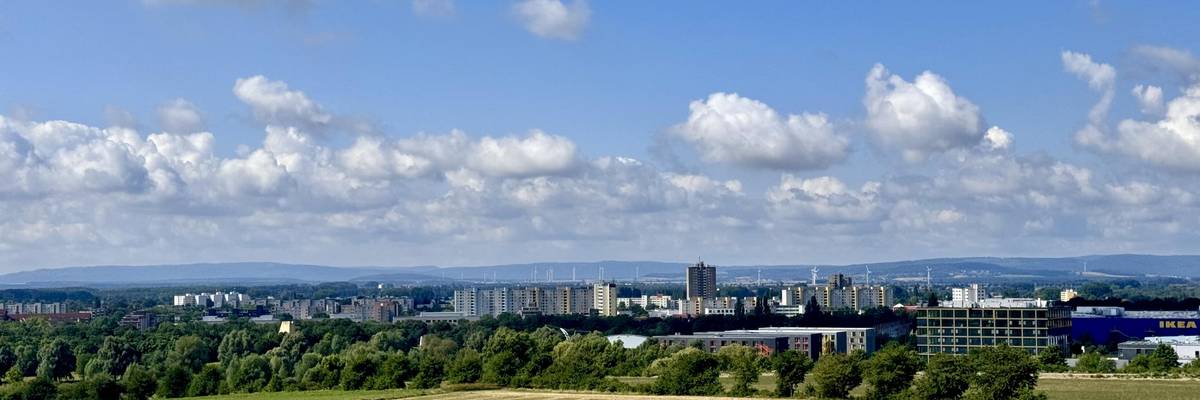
322,395
1118,389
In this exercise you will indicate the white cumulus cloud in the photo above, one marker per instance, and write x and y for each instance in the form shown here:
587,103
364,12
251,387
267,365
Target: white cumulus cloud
273,102
824,199
538,153
919,118
728,128
180,116
1101,78
1149,97
1172,142
552,18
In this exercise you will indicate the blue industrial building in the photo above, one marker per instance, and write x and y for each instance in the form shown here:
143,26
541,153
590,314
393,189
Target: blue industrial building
1111,325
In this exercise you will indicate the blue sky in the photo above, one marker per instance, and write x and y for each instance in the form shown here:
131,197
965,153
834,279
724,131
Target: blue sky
610,79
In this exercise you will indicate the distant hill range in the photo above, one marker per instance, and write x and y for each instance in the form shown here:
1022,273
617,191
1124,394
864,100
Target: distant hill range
967,269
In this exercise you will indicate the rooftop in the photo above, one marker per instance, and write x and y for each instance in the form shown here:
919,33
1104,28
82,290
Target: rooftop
1119,312
1157,340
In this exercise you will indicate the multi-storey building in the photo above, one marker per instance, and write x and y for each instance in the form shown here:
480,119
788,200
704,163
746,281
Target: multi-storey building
528,300
656,301
35,308
604,299
833,297
299,308
382,309
701,281
214,300
811,341
466,301
969,296
1026,324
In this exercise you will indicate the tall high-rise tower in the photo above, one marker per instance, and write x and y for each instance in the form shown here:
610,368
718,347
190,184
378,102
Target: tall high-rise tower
701,281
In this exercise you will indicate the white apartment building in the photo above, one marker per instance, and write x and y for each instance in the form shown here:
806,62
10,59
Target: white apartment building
218,299
966,296
832,297
604,299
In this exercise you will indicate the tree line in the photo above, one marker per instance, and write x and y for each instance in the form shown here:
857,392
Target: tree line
101,360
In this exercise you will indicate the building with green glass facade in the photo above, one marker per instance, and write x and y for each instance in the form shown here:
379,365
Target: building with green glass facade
956,330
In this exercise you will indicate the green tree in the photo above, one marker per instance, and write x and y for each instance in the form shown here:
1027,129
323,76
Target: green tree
139,384
1001,372
395,370
743,364
505,354
7,358
932,300
834,376
248,374
113,357
946,377
189,351
1093,362
38,389
430,370
812,309
99,386
1162,359
358,366
13,375
467,367
55,360
326,374
581,362
1051,359
890,371
790,368
27,359
688,372
207,382
174,382
235,344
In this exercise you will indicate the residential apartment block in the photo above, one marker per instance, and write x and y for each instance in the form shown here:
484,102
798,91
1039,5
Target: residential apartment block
562,300
839,293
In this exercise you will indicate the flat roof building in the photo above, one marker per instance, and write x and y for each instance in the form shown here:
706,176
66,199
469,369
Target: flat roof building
1187,348
812,341
1111,325
1021,324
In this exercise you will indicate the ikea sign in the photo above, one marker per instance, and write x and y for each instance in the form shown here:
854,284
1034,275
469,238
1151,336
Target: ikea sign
1177,324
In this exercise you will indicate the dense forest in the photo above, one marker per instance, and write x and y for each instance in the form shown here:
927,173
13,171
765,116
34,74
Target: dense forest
102,360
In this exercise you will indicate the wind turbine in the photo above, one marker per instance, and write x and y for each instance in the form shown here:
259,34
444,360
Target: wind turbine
814,276
868,275
928,277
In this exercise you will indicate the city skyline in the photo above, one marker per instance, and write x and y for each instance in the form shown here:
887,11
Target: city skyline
455,133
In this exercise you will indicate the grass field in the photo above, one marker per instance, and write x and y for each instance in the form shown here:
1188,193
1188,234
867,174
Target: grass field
323,395
1119,389
1058,388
